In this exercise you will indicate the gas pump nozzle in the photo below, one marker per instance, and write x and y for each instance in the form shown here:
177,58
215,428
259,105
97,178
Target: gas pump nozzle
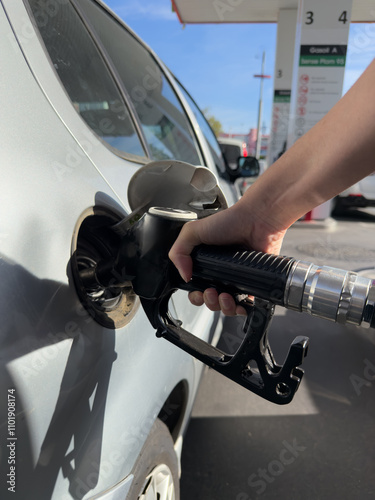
148,233
326,292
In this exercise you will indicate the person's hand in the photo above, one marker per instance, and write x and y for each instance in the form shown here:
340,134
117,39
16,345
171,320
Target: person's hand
236,225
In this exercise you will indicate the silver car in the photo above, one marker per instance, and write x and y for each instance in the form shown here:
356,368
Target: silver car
93,404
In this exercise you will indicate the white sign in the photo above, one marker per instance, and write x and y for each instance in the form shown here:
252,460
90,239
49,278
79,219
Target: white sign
320,56
286,29
319,65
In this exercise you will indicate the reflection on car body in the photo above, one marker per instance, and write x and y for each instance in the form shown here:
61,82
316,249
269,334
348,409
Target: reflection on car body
85,103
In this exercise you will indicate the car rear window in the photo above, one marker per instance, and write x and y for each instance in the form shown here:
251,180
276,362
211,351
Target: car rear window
85,75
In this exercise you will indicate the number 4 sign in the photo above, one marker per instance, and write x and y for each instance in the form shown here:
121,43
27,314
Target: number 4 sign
319,62
343,18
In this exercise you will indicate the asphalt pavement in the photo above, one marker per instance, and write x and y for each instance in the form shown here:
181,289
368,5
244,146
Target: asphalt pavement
322,445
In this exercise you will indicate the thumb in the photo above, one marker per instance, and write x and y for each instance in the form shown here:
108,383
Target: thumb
182,248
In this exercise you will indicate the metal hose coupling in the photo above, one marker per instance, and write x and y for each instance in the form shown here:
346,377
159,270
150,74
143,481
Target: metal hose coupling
330,293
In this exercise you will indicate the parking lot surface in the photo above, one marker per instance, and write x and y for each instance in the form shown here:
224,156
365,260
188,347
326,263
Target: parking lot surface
321,446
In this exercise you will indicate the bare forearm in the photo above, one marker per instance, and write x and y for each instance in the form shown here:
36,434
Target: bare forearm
332,156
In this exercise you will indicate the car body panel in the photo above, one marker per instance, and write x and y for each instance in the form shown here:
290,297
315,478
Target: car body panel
116,170
86,396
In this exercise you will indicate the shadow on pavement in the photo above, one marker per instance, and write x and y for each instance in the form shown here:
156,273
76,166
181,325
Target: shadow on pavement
320,451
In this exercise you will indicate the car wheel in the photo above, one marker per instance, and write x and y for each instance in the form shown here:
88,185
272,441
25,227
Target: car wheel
156,472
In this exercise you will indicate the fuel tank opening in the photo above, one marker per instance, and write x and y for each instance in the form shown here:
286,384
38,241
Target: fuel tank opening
94,242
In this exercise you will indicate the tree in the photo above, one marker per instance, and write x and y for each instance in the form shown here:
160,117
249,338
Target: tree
215,124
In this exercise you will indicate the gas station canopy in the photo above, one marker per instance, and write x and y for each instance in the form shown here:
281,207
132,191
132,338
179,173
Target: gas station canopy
252,11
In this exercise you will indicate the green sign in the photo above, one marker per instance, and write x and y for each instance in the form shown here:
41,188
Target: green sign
322,55
281,96
322,60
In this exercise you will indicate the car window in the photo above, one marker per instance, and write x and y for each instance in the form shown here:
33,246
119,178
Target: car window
164,121
85,75
206,129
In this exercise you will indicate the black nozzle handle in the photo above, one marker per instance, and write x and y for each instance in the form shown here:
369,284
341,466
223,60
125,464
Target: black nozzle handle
323,291
144,258
238,271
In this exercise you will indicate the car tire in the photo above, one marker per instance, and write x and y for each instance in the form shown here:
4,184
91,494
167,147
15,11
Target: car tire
156,471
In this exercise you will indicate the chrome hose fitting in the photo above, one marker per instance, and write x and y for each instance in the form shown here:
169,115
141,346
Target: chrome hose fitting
330,293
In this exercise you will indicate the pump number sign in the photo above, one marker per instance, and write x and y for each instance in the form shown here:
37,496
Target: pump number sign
321,46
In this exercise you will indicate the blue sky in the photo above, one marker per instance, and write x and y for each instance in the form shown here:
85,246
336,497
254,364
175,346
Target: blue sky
216,62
